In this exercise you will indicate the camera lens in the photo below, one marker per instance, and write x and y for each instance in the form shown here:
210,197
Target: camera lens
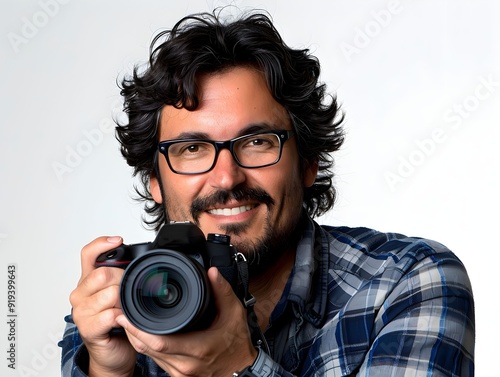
164,291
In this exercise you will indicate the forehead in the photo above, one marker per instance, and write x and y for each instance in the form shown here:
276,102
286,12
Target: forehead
230,103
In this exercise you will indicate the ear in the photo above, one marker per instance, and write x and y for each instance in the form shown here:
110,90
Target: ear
155,189
310,173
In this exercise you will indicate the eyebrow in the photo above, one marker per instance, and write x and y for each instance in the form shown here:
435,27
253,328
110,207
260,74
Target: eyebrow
250,129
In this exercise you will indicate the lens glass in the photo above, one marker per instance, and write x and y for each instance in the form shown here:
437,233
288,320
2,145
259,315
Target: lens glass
159,289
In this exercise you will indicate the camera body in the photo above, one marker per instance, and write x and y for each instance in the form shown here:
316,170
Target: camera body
165,288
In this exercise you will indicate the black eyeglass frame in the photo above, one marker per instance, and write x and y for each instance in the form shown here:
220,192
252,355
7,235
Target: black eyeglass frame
283,136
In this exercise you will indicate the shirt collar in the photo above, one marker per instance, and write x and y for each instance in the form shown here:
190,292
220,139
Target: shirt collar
307,284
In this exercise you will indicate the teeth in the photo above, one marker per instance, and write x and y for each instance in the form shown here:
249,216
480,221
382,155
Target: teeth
230,211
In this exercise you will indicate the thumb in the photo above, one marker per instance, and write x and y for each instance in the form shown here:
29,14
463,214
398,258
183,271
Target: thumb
232,316
223,292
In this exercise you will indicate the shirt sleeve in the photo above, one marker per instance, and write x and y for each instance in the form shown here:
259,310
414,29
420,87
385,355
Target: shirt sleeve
74,357
403,309
426,324
265,366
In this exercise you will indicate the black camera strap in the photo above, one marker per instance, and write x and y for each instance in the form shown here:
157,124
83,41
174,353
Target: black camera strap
248,301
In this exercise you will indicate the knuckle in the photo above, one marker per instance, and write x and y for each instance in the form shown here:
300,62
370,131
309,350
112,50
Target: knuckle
154,345
141,348
87,251
92,250
106,319
159,345
74,297
108,297
102,276
189,370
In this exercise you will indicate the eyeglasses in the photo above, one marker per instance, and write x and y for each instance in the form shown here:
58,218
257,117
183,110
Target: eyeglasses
196,156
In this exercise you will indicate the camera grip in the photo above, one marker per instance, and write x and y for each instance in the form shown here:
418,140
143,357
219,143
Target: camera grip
122,255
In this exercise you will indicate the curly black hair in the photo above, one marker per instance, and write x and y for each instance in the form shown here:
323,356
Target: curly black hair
204,44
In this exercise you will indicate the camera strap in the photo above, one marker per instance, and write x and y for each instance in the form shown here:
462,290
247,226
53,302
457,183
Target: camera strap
248,301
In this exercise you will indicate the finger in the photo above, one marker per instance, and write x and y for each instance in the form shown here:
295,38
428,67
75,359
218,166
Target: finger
144,343
223,292
95,248
88,306
177,354
99,325
100,279
176,344
232,316
105,279
95,315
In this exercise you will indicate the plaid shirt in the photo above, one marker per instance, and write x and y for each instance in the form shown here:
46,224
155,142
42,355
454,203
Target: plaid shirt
358,303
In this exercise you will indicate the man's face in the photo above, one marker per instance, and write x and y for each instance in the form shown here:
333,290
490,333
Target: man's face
259,208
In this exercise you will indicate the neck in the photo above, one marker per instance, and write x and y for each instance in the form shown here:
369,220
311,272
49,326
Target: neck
268,286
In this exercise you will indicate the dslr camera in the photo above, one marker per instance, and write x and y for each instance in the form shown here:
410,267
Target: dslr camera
165,288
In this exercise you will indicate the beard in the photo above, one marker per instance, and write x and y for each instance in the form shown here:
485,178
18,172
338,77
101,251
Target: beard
268,249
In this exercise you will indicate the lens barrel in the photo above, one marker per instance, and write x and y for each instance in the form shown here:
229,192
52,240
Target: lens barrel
165,291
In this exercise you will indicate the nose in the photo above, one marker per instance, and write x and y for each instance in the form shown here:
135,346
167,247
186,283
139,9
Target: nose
226,173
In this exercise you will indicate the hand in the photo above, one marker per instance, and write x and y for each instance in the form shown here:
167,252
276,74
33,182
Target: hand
96,305
219,350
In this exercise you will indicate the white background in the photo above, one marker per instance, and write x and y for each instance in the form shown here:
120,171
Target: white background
405,72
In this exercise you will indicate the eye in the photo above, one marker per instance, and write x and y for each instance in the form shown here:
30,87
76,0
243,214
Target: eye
193,148
260,142
257,142
190,149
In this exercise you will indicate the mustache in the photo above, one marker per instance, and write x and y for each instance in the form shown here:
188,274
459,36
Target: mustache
200,205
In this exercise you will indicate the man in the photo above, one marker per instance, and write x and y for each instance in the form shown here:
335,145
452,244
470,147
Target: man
230,129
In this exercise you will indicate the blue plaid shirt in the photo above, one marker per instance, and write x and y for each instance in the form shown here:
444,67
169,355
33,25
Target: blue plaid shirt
358,303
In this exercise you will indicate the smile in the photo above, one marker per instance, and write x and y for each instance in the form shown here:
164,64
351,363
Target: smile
230,211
